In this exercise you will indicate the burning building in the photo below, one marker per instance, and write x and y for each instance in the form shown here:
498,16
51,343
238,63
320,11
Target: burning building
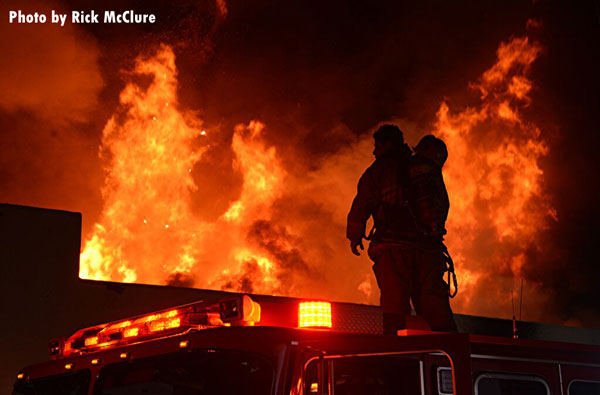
221,151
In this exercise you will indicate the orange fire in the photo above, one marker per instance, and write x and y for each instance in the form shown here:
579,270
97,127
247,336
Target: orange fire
146,229
498,205
148,232
284,233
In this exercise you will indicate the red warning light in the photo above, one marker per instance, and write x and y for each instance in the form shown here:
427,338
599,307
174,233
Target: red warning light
314,315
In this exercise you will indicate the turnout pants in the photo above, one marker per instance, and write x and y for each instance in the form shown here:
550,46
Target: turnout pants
407,273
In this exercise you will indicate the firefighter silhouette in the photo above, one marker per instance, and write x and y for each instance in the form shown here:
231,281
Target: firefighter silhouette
406,196
427,195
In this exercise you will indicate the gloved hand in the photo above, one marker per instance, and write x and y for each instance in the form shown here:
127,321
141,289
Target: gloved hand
356,243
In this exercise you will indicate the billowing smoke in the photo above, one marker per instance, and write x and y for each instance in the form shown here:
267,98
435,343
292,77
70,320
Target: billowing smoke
50,82
52,73
281,234
231,158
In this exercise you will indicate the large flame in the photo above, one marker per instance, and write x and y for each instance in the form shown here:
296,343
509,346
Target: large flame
147,228
148,232
283,234
498,205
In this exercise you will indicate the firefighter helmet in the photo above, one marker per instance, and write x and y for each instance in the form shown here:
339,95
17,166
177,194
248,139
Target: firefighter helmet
432,148
391,133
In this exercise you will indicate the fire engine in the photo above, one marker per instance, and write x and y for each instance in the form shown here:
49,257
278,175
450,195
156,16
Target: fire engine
240,346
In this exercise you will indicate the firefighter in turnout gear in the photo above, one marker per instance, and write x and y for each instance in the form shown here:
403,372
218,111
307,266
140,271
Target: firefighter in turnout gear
428,198
407,250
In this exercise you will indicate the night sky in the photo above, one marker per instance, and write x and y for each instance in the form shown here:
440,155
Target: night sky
320,75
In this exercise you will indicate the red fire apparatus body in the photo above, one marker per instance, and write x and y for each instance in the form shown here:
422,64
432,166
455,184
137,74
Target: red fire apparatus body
237,346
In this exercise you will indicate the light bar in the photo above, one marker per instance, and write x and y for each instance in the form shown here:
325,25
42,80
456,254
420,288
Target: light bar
314,315
241,310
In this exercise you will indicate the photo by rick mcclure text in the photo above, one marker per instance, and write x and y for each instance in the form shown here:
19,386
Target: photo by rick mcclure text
81,17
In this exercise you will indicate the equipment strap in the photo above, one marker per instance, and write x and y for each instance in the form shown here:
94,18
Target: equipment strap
450,270
370,236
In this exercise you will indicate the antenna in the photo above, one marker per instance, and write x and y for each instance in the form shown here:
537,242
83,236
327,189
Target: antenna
514,319
521,300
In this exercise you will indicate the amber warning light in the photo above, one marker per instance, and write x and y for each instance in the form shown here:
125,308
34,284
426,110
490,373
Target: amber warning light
314,315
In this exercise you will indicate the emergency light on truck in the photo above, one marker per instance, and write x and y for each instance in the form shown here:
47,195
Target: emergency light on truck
237,311
314,315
